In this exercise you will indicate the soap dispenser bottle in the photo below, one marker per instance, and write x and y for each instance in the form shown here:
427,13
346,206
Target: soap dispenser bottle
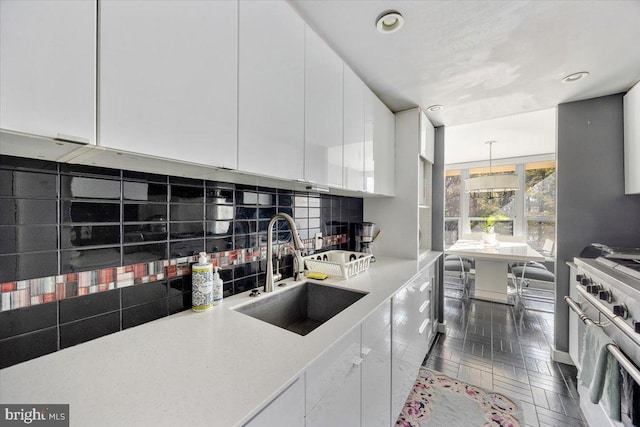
202,284
217,286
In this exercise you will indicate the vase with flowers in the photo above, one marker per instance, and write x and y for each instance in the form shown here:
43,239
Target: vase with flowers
489,235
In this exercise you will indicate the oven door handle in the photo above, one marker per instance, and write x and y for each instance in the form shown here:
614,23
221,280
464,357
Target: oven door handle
613,349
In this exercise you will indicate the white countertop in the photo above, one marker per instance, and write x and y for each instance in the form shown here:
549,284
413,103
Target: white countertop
506,251
215,368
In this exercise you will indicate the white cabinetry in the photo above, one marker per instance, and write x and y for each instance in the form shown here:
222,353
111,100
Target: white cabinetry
379,146
376,368
412,332
47,68
632,140
286,410
333,385
271,89
411,205
323,112
168,79
427,138
354,114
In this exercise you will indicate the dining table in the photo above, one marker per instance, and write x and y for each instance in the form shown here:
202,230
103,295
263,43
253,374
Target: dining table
492,264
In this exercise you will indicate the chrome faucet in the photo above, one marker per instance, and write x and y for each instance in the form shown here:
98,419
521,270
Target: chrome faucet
297,250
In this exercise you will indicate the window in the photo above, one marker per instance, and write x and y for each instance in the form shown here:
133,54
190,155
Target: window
540,203
530,211
452,182
482,207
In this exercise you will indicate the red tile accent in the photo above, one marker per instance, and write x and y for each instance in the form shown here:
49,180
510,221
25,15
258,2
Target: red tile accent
139,270
49,297
172,271
9,286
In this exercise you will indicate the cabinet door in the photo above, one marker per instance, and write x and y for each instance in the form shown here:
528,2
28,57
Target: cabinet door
354,90
323,112
47,68
376,367
631,103
427,138
271,90
286,410
168,79
379,148
409,345
333,385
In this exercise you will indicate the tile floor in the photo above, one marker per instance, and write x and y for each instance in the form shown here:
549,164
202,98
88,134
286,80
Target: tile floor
506,349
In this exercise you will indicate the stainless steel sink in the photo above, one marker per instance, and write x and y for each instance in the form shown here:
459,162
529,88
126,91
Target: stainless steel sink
301,309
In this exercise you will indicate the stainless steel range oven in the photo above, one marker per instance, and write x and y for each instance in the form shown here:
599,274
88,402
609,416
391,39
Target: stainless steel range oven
607,296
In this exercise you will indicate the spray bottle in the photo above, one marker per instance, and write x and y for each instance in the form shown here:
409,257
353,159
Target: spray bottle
217,287
202,284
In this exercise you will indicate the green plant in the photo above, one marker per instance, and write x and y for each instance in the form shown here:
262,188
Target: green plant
491,222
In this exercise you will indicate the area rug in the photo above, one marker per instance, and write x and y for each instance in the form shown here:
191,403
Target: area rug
441,401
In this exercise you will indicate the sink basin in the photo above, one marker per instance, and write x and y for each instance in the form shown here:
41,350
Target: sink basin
301,309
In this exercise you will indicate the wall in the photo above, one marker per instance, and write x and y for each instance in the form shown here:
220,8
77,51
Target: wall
437,224
87,251
591,204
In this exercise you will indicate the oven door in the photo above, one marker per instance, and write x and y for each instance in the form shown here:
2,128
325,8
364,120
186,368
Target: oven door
595,414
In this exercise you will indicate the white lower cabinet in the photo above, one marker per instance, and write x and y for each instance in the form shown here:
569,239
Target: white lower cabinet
286,410
376,368
411,332
333,384
364,379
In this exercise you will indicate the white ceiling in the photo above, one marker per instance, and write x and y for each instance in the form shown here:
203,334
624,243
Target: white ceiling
525,134
484,59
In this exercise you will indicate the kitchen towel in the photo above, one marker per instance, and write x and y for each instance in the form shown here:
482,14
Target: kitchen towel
599,371
630,400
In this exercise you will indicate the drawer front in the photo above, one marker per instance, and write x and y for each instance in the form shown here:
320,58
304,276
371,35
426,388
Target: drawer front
327,374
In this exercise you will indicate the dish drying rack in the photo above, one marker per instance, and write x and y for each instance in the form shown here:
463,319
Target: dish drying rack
338,264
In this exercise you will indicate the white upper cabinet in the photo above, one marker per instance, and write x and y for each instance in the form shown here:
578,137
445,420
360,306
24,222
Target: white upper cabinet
427,138
379,146
168,79
47,68
323,112
354,130
631,103
271,89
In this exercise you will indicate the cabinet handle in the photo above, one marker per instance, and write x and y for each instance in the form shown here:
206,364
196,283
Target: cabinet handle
365,351
423,306
357,362
425,322
424,286
71,138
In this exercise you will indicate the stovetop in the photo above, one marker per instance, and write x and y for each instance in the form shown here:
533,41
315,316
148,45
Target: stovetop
630,267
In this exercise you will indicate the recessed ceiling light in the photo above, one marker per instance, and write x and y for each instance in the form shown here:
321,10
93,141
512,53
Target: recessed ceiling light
389,22
575,77
435,108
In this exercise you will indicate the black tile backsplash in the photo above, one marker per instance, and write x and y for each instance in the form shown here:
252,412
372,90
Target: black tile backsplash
28,212
28,265
87,329
72,309
89,259
28,238
30,185
144,313
28,346
73,236
80,187
144,212
140,294
28,319
81,211
62,218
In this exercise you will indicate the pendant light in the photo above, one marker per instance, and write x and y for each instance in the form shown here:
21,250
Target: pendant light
492,185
